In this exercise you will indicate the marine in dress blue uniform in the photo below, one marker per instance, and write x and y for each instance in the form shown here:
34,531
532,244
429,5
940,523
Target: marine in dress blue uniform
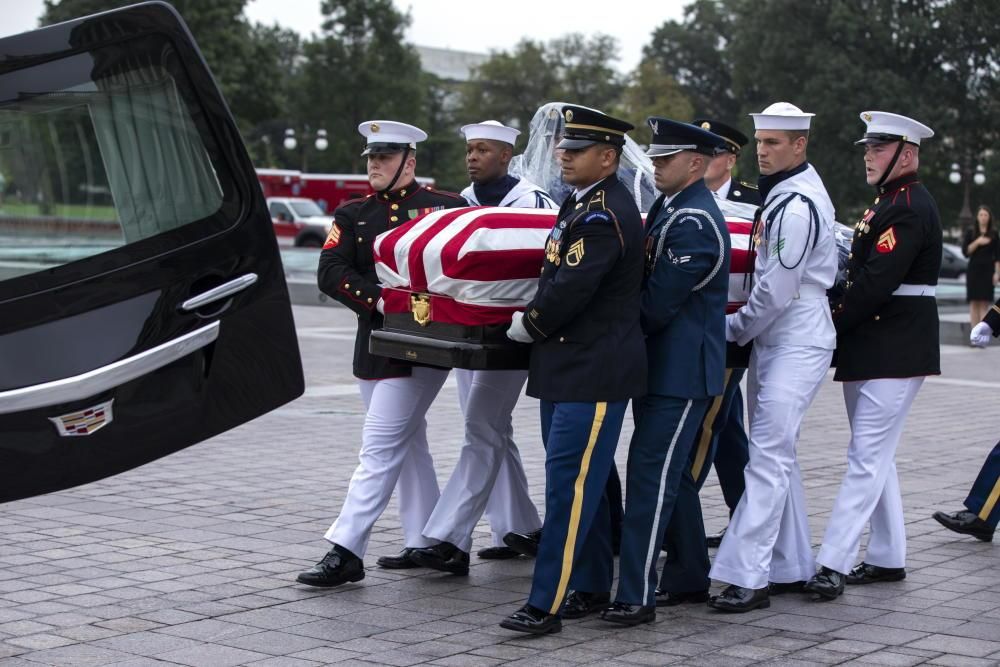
887,342
683,311
587,360
394,451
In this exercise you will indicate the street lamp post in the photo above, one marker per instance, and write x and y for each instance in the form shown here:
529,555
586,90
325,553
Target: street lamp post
321,143
964,173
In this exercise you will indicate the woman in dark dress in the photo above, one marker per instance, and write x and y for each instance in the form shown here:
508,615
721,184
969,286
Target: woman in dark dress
982,246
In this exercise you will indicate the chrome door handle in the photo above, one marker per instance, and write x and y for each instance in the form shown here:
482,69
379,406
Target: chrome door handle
106,377
221,292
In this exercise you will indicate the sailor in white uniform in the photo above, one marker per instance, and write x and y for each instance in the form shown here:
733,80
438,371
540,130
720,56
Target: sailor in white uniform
788,319
489,475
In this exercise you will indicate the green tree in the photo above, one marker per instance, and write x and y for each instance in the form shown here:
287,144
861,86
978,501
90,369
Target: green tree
359,68
931,59
652,92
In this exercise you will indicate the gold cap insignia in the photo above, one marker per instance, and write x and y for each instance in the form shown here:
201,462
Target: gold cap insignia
569,115
867,117
374,127
706,125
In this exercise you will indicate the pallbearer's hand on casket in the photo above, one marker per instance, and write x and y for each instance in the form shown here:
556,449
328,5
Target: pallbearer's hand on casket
980,336
730,334
516,332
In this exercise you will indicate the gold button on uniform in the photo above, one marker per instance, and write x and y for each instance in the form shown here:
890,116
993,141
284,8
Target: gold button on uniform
360,239
562,339
393,219
347,285
358,293
369,299
876,318
395,207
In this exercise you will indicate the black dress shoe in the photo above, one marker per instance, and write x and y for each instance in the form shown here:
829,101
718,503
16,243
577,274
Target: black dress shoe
497,553
525,544
827,584
533,621
714,540
578,604
624,613
779,588
966,523
338,566
872,574
400,562
665,599
444,557
737,599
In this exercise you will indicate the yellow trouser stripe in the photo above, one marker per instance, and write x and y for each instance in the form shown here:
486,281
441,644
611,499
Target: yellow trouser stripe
706,429
990,502
574,514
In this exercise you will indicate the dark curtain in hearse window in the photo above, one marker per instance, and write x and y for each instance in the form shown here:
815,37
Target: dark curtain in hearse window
98,150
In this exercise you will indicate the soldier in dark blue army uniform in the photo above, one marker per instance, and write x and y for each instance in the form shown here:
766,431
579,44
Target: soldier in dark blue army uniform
587,360
396,394
683,311
982,507
722,438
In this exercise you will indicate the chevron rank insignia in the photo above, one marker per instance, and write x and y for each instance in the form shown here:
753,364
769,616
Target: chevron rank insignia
575,253
333,238
887,241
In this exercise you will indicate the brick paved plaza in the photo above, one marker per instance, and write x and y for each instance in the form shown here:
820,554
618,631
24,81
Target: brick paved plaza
191,560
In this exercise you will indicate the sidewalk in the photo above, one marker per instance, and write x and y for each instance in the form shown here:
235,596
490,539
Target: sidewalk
191,560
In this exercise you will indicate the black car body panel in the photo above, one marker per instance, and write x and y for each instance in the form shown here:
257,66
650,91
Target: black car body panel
91,293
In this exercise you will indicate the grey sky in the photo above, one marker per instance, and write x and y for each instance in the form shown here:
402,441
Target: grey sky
467,26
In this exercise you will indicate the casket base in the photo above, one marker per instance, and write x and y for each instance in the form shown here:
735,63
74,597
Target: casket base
480,347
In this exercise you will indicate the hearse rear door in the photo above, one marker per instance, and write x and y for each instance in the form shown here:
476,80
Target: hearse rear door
143,305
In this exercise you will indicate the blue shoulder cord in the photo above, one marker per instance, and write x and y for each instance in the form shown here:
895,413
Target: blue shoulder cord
779,208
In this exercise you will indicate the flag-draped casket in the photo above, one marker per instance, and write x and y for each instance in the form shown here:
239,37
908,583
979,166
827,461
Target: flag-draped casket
453,278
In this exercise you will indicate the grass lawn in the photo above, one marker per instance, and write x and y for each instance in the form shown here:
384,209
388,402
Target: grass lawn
72,211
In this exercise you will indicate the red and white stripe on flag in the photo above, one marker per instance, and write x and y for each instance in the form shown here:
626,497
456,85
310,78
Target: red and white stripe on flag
482,256
492,257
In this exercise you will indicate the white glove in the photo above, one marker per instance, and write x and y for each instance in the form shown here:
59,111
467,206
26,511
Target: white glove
730,335
380,306
517,332
981,334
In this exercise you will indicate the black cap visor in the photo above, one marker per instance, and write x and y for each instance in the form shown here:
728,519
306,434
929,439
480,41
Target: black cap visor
382,148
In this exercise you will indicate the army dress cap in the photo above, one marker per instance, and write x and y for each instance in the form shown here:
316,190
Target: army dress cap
671,136
885,127
782,116
492,130
735,140
389,136
585,127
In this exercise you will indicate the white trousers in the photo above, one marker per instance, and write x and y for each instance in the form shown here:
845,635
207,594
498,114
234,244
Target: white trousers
768,536
489,475
877,410
394,454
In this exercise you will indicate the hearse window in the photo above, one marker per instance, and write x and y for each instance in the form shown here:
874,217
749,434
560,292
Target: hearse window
100,150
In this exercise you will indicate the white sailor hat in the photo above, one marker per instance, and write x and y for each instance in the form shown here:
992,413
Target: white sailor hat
389,136
782,116
885,127
491,129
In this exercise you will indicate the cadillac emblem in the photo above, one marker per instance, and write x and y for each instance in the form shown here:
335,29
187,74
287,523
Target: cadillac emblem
420,306
86,421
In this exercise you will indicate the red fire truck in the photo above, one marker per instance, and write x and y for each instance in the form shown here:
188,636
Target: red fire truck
327,190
